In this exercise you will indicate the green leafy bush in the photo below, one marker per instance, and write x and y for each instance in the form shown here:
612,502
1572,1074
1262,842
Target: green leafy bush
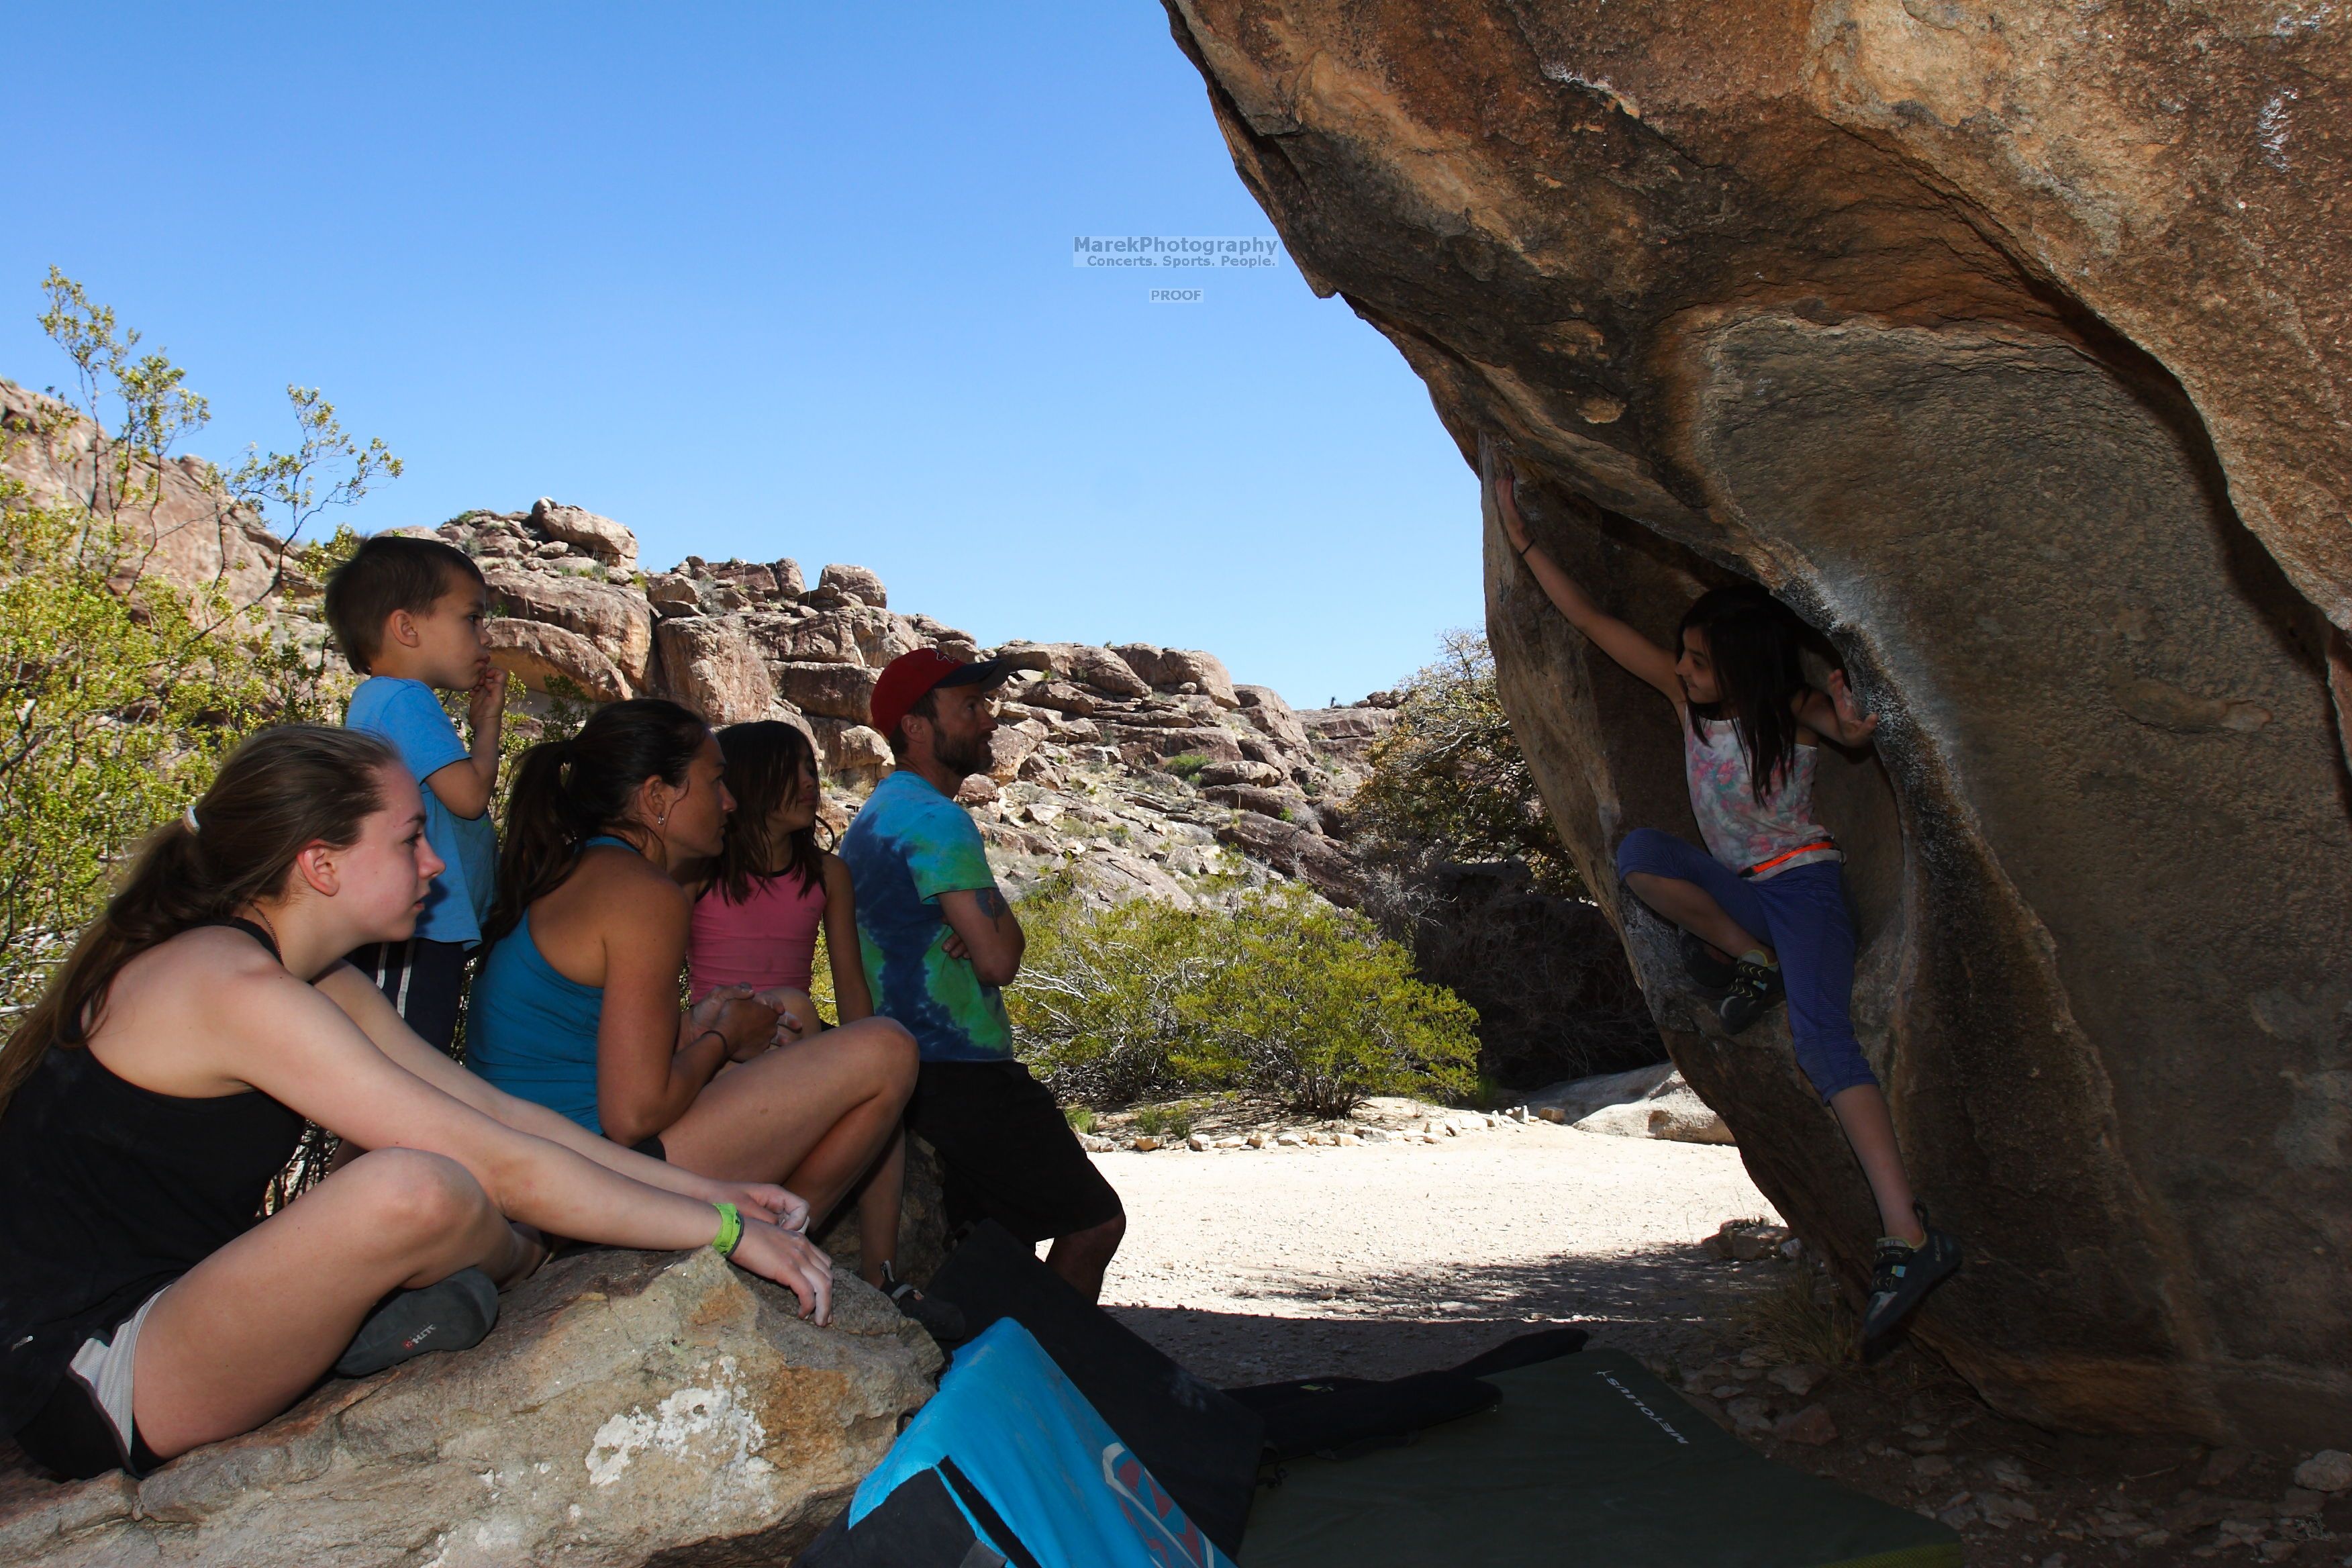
1278,996
1185,765
1173,1121
123,692
1448,782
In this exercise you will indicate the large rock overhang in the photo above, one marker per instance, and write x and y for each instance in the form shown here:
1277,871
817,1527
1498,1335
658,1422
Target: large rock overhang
2008,347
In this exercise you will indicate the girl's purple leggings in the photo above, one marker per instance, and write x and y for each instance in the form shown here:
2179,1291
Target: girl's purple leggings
1801,915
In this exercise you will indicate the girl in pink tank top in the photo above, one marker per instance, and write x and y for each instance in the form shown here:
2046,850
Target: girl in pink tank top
772,888
764,939
755,923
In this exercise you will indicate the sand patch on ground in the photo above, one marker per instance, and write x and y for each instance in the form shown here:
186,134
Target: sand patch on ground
1386,1259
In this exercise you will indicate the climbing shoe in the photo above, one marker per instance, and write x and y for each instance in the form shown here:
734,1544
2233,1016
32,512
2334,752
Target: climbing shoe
1901,1279
1708,969
451,1314
1754,988
943,1321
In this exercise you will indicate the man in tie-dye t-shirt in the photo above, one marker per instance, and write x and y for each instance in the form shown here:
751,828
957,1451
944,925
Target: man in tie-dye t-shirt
940,941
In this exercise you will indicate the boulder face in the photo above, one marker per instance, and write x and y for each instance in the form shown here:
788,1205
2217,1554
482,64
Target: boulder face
2007,345
177,524
629,1408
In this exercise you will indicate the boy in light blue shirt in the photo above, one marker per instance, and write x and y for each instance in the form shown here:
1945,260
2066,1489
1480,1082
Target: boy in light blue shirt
408,613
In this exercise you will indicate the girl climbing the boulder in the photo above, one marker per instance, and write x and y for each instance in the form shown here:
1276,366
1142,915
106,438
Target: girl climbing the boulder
1762,908
759,907
162,1081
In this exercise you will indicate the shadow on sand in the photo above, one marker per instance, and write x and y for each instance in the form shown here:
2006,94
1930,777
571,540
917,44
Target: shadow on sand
1671,1302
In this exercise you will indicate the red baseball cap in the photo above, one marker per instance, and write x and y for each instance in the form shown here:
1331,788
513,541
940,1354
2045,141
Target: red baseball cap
907,678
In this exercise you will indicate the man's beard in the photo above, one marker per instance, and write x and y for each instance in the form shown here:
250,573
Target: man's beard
963,756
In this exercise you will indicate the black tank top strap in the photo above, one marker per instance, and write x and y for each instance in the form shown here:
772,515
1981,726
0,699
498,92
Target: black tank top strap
258,933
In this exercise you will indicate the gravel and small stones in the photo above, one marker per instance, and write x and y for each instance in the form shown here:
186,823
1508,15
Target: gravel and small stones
1751,1241
2330,1470
1909,1433
1800,1378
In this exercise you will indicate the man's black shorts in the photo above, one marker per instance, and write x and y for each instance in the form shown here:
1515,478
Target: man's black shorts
1010,1156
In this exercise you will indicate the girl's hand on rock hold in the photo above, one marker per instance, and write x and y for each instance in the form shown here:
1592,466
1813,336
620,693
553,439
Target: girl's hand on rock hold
1507,498
1858,726
793,1262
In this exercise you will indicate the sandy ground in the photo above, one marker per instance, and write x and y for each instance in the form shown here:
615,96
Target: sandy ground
1250,1266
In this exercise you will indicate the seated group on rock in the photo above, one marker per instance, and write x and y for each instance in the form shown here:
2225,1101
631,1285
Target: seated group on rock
295,949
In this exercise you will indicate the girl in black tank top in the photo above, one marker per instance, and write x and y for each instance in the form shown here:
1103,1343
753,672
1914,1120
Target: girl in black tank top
165,1077
114,1191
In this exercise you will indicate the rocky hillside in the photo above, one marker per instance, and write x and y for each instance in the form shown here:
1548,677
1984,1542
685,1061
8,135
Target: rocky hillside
2007,345
1143,768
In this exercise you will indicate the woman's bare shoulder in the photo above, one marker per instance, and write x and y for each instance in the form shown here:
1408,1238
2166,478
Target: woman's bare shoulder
177,1014
609,869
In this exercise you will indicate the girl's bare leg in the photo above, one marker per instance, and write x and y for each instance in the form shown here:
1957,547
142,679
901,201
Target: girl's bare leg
237,1339
1694,909
877,1209
812,1116
1861,1111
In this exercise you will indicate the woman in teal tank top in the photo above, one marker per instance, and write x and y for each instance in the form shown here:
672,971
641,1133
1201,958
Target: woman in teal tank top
576,1003
532,1032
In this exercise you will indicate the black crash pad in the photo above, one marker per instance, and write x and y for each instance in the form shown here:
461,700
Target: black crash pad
1589,1459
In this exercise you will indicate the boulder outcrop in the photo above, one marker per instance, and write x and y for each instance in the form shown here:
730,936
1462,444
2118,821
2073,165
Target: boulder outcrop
607,541
177,524
711,663
535,652
2007,345
629,1408
616,620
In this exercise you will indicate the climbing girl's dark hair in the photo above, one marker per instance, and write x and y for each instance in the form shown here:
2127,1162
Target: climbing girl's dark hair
765,763
282,791
567,792
1753,641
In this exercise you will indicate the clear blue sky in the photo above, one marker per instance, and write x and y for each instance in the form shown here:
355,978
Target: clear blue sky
775,279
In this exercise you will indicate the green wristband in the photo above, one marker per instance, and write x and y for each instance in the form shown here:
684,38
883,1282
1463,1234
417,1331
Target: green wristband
730,1230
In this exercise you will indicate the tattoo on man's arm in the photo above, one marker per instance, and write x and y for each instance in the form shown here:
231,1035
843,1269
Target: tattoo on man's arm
991,903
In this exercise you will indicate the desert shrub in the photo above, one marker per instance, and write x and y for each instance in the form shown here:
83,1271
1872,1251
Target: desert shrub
1275,993
1173,1120
1447,782
1185,765
1096,1006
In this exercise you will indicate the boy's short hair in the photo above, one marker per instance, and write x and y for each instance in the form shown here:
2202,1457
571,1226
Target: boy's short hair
389,571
